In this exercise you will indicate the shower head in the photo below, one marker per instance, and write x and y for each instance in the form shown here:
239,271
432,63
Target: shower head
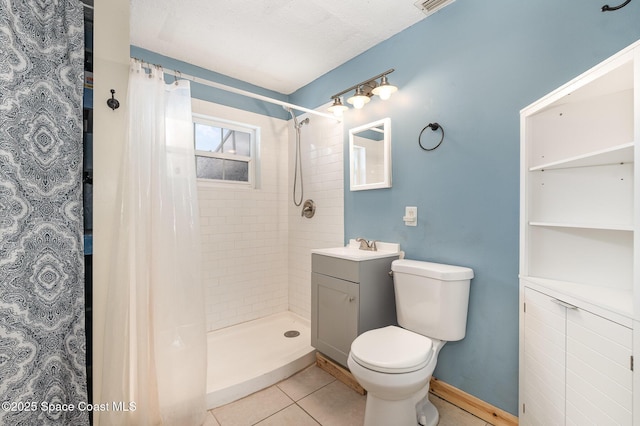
299,124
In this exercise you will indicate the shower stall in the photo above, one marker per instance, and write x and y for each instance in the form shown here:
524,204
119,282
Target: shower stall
256,251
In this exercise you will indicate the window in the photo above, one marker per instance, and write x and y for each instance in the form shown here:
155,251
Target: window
225,151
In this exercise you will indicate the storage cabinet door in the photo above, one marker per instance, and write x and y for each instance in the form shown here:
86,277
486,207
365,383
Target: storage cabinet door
599,375
544,361
336,312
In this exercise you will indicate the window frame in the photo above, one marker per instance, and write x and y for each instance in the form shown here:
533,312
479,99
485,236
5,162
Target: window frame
251,160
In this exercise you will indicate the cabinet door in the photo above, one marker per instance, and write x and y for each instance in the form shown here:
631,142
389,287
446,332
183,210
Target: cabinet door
336,309
544,361
599,375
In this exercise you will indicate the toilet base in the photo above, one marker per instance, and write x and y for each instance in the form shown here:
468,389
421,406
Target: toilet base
383,412
427,413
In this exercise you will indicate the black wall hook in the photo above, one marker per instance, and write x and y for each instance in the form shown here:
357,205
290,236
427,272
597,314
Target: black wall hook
113,103
607,8
433,127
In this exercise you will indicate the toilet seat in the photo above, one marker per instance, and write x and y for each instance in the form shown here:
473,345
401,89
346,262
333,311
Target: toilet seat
392,350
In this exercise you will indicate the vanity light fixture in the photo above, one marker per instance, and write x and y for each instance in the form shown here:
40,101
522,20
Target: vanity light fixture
359,98
337,108
363,93
384,90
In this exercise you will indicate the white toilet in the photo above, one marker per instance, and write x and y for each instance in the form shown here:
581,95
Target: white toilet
395,364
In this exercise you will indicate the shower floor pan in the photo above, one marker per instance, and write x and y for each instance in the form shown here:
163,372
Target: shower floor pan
248,357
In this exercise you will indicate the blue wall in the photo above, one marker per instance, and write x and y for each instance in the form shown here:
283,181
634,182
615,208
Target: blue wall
471,67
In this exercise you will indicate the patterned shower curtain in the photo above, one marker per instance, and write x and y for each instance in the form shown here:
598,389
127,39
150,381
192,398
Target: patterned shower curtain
42,335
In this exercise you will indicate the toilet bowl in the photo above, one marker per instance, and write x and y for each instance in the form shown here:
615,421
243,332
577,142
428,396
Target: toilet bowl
395,366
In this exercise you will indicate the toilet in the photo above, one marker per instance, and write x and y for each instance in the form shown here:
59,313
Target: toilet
395,364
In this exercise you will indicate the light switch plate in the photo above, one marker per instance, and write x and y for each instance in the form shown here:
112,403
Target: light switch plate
410,216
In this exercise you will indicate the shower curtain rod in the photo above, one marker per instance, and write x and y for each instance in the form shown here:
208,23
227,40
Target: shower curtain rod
237,91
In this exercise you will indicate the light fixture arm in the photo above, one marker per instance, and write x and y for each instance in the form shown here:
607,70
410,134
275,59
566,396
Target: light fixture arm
363,83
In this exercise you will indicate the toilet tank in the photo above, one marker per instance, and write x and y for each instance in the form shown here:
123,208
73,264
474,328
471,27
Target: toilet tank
432,299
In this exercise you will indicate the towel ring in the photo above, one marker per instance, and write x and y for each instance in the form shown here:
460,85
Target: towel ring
433,127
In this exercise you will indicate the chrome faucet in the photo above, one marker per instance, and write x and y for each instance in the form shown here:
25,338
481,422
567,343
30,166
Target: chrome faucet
365,245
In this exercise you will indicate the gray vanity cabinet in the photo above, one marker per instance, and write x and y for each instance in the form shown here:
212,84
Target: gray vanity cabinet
348,297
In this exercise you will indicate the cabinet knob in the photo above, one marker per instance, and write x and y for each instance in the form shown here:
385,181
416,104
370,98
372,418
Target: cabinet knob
352,298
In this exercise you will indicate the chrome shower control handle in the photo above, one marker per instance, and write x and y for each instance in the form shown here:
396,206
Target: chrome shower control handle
308,209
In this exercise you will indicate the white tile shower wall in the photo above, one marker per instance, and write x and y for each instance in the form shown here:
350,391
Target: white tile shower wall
244,231
322,165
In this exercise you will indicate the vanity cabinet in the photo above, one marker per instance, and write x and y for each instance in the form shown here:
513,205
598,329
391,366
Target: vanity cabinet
579,249
349,297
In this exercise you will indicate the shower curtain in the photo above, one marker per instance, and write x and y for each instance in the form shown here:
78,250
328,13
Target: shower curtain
155,348
42,335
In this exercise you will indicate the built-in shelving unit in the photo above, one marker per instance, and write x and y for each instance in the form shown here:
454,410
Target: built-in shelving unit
578,182
579,243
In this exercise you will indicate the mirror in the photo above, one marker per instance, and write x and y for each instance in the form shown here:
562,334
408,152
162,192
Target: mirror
370,155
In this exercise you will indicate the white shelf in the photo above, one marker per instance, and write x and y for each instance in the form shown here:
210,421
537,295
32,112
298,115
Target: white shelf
604,227
614,155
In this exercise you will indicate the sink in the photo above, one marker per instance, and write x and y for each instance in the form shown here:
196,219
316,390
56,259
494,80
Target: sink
352,251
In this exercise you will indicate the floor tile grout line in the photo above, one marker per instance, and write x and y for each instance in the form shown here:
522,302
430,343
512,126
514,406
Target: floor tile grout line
273,414
309,394
308,413
300,399
293,402
302,408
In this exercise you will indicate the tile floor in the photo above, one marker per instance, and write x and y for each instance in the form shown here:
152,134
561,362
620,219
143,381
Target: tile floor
313,397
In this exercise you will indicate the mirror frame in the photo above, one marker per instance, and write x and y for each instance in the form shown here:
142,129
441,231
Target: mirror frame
386,128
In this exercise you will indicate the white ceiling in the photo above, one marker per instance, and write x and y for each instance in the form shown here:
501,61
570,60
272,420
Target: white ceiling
280,45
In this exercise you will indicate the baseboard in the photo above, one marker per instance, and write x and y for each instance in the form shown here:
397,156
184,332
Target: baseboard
339,373
473,405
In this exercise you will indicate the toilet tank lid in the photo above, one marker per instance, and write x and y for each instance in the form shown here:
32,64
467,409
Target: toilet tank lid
436,271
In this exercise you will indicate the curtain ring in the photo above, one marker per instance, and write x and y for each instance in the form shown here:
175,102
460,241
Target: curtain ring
433,127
